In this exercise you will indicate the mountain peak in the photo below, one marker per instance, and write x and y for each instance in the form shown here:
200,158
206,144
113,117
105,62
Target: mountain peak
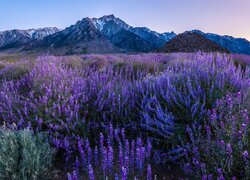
103,21
84,22
196,31
108,17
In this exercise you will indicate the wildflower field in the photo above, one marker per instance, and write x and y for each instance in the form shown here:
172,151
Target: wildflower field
145,116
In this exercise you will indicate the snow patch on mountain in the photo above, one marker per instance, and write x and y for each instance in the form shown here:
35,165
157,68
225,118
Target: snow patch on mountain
101,22
98,23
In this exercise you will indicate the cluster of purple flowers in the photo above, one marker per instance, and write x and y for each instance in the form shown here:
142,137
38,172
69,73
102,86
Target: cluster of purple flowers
219,148
173,99
114,157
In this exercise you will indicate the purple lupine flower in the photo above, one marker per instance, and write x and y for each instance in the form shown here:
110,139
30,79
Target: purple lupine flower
149,172
245,116
69,176
124,173
40,121
149,149
221,143
138,158
77,165
209,134
187,168
96,156
240,133
196,162
87,145
204,177
81,151
104,161
116,177
111,133
120,156
126,162
229,149
75,175
127,148
239,97
89,155
66,146
123,135
213,116
245,155
203,168
143,154
139,142
91,172
132,154
110,157
101,141
222,125
56,142
220,173
210,177
243,125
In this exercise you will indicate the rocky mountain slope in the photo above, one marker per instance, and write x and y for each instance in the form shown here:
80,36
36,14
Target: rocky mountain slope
17,38
111,27
235,45
191,42
79,38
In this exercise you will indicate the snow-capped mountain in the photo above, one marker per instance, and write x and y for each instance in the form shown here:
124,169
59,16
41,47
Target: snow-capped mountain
15,38
42,32
120,34
109,25
81,37
112,26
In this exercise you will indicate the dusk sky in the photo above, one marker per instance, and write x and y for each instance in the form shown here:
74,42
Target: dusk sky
231,17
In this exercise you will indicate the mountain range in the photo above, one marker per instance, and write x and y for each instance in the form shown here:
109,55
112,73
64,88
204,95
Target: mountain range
17,38
110,34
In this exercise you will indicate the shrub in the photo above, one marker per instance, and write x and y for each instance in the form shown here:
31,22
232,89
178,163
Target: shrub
220,147
24,156
184,92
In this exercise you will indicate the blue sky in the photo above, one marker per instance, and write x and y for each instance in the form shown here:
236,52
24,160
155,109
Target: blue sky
230,17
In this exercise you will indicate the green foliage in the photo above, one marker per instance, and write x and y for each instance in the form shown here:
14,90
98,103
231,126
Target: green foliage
24,155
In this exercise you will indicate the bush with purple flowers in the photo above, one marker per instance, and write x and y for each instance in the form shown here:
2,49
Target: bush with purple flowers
115,157
219,148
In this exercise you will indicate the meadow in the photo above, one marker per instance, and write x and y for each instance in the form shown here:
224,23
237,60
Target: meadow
118,116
